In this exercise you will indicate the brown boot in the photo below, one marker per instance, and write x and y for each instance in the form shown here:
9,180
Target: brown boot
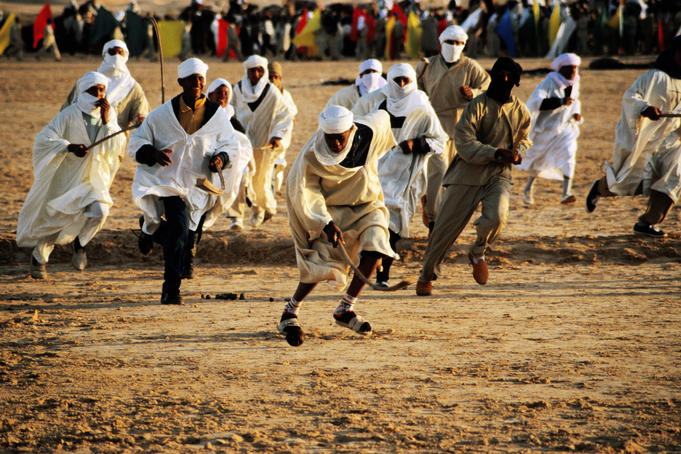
424,288
480,272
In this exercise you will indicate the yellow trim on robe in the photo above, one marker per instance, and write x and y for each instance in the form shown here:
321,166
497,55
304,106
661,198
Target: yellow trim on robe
191,119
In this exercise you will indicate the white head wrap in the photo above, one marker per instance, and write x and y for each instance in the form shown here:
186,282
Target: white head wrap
217,83
560,61
333,120
85,101
113,67
192,66
250,92
371,81
455,33
402,100
452,52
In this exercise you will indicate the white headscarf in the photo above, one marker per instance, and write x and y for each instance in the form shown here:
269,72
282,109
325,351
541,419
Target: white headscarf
191,66
372,81
217,83
568,59
450,52
402,100
333,120
114,67
85,101
250,92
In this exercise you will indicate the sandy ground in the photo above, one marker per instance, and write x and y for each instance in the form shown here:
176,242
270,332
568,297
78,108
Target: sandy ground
572,346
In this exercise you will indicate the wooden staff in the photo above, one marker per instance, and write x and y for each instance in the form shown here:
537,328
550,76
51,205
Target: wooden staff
358,273
670,115
154,25
104,139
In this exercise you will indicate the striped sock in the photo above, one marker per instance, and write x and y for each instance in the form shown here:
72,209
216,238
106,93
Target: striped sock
346,304
292,306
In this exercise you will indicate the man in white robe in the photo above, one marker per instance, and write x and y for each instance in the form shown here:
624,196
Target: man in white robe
450,79
184,140
277,78
402,170
69,200
369,79
261,108
556,115
124,93
334,196
639,133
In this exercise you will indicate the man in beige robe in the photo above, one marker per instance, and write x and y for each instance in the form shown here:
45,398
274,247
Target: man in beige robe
262,110
450,79
491,136
123,92
640,132
334,197
369,79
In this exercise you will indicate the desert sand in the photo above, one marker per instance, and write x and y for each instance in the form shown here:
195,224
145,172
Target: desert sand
573,345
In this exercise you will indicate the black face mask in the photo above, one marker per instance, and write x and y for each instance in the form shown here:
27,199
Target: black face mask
500,90
666,61
500,87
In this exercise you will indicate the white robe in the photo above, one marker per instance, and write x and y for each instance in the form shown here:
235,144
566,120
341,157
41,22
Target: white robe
403,176
351,197
286,141
191,155
637,137
553,133
272,118
345,97
663,170
65,185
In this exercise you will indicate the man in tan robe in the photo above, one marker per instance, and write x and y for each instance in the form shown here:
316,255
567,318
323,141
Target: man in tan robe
640,133
334,197
369,79
450,79
491,136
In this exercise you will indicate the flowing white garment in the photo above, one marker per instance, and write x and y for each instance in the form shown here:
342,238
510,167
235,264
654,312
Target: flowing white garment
637,137
351,197
553,133
65,185
286,140
345,97
191,155
663,170
403,176
567,27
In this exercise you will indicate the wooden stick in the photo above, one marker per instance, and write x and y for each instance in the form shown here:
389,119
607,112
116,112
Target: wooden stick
209,187
670,115
104,139
154,24
358,273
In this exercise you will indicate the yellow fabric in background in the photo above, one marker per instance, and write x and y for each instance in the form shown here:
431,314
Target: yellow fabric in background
171,37
414,31
389,25
306,36
5,32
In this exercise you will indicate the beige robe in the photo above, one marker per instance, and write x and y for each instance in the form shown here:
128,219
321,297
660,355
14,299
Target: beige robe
663,170
637,137
351,197
346,97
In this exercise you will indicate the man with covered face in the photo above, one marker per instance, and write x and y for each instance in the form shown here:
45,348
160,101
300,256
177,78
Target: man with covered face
69,200
450,79
491,137
124,93
370,79
642,132
264,113
182,141
334,197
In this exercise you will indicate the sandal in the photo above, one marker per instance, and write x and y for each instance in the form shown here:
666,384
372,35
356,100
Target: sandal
353,322
292,330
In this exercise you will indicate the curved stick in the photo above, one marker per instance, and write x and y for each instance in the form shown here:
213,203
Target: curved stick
400,285
154,24
104,139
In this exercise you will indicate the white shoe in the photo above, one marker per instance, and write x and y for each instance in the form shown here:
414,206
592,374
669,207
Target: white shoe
257,218
236,224
528,198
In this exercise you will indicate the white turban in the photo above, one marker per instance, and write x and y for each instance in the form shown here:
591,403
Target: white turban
565,60
115,43
84,100
371,81
249,92
335,120
453,32
371,63
217,83
402,100
254,61
192,66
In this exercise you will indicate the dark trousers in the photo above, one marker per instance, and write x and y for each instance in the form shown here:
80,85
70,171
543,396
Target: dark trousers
384,273
173,235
